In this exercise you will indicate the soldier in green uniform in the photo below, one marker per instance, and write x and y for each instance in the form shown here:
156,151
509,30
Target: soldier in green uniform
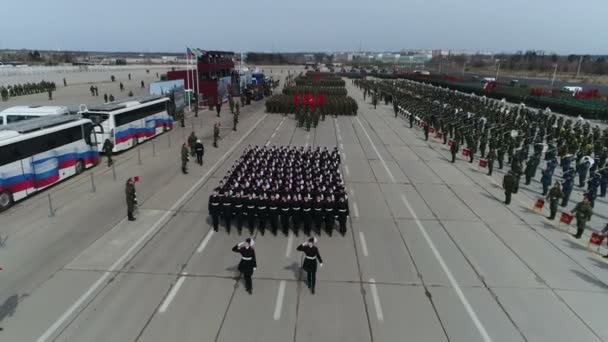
315,118
491,157
235,120
180,117
185,158
508,183
308,121
583,213
131,198
107,148
554,195
216,134
191,142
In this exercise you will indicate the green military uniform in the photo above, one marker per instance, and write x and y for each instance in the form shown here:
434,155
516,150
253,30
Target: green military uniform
185,158
235,120
131,199
107,148
508,183
583,212
191,142
554,195
216,135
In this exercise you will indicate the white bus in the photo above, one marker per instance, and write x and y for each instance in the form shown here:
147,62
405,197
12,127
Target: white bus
129,122
20,113
38,153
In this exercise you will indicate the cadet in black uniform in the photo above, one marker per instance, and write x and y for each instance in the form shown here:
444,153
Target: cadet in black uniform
237,208
262,211
296,211
214,209
273,212
227,210
329,214
307,214
318,208
285,213
311,255
248,264
343,212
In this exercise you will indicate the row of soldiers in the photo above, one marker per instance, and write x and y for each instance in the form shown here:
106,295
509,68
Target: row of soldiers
26,89
287,185
495,130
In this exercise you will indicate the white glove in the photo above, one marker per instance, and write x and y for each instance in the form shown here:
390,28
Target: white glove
255,268
321,264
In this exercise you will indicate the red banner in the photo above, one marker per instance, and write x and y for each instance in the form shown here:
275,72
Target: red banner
566,218
466,152
540,204
483,163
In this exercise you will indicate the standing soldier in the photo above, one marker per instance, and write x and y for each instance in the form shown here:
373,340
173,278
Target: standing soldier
50,94
426,131
65,83
583,214
412,120
311,255
214,209
216,134
218,108
491,156
111,98
554,195
501,156
508,183
568,185
199,149
185,158
248,264
107,148
129,77
105,98
97,91
235,120
395,108
131,198
454,150
92,89
191,142
122,87
545,180
142,85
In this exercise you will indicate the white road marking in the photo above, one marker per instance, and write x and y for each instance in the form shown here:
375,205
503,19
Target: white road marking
390,174
279,304
172,293
376,298
346,170
85,297
355,209
341,146
205,241
465,302
289,245
352,192
273,135
339,137
363,244
307,139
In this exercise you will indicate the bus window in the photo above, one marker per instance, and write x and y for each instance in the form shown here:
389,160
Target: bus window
15,118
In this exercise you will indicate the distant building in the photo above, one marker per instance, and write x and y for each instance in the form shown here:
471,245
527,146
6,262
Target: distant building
437,53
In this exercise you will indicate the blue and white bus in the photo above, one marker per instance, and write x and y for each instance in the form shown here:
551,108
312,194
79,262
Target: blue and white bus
130,122
37,153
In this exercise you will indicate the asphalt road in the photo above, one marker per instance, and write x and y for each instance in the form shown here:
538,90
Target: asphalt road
431,253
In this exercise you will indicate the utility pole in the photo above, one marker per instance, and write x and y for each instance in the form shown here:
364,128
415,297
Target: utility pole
497,70
464,65
554,73
578,70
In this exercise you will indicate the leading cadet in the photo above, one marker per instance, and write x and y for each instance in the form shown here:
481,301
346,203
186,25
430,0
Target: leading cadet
248,264
311,255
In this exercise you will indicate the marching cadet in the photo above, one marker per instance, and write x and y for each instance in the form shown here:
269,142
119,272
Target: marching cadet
248,263
318,209
411,120
296,211
491,156
131,198
249,210
191,142
583,214
273,212
454,150
343,213
214,209
329,214
285,213
508,183
237,208
216,134
426,131
199,149
554,195
227,209
185,158
307,214
262,211
107,148
311,256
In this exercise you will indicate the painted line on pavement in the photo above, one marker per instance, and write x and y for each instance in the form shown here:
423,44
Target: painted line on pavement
289,245
172,293
355,209
346,170
279,304
390,174
341,146
339,137
85,297
205,241
376,298
465,302
363,244
352,192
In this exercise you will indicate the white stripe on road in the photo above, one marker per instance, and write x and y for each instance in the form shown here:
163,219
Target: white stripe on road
482,330
279,304
363,244
273,135
355,209
390,174
465,302
172,293
339,137
376,298
289,245
346,170
85,297
205,241
341,146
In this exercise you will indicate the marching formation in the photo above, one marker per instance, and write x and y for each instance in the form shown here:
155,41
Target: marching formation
494,130
292,186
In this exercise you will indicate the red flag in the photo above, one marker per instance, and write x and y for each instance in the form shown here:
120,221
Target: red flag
596,239
296,99
566,218
540,204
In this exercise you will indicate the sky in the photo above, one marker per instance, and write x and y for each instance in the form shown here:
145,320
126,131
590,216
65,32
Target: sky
561,26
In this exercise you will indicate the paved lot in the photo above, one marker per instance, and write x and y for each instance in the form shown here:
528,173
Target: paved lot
431,254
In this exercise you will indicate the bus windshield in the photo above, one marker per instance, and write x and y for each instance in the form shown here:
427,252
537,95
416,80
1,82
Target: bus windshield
97,118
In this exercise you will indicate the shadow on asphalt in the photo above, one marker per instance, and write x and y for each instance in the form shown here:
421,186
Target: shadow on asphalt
9,306
591,280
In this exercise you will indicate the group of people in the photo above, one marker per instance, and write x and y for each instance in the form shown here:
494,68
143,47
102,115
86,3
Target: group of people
248,263
293,186
493,131
26,89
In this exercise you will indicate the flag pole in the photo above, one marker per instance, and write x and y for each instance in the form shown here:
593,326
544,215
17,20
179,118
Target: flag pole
189,85
196,85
